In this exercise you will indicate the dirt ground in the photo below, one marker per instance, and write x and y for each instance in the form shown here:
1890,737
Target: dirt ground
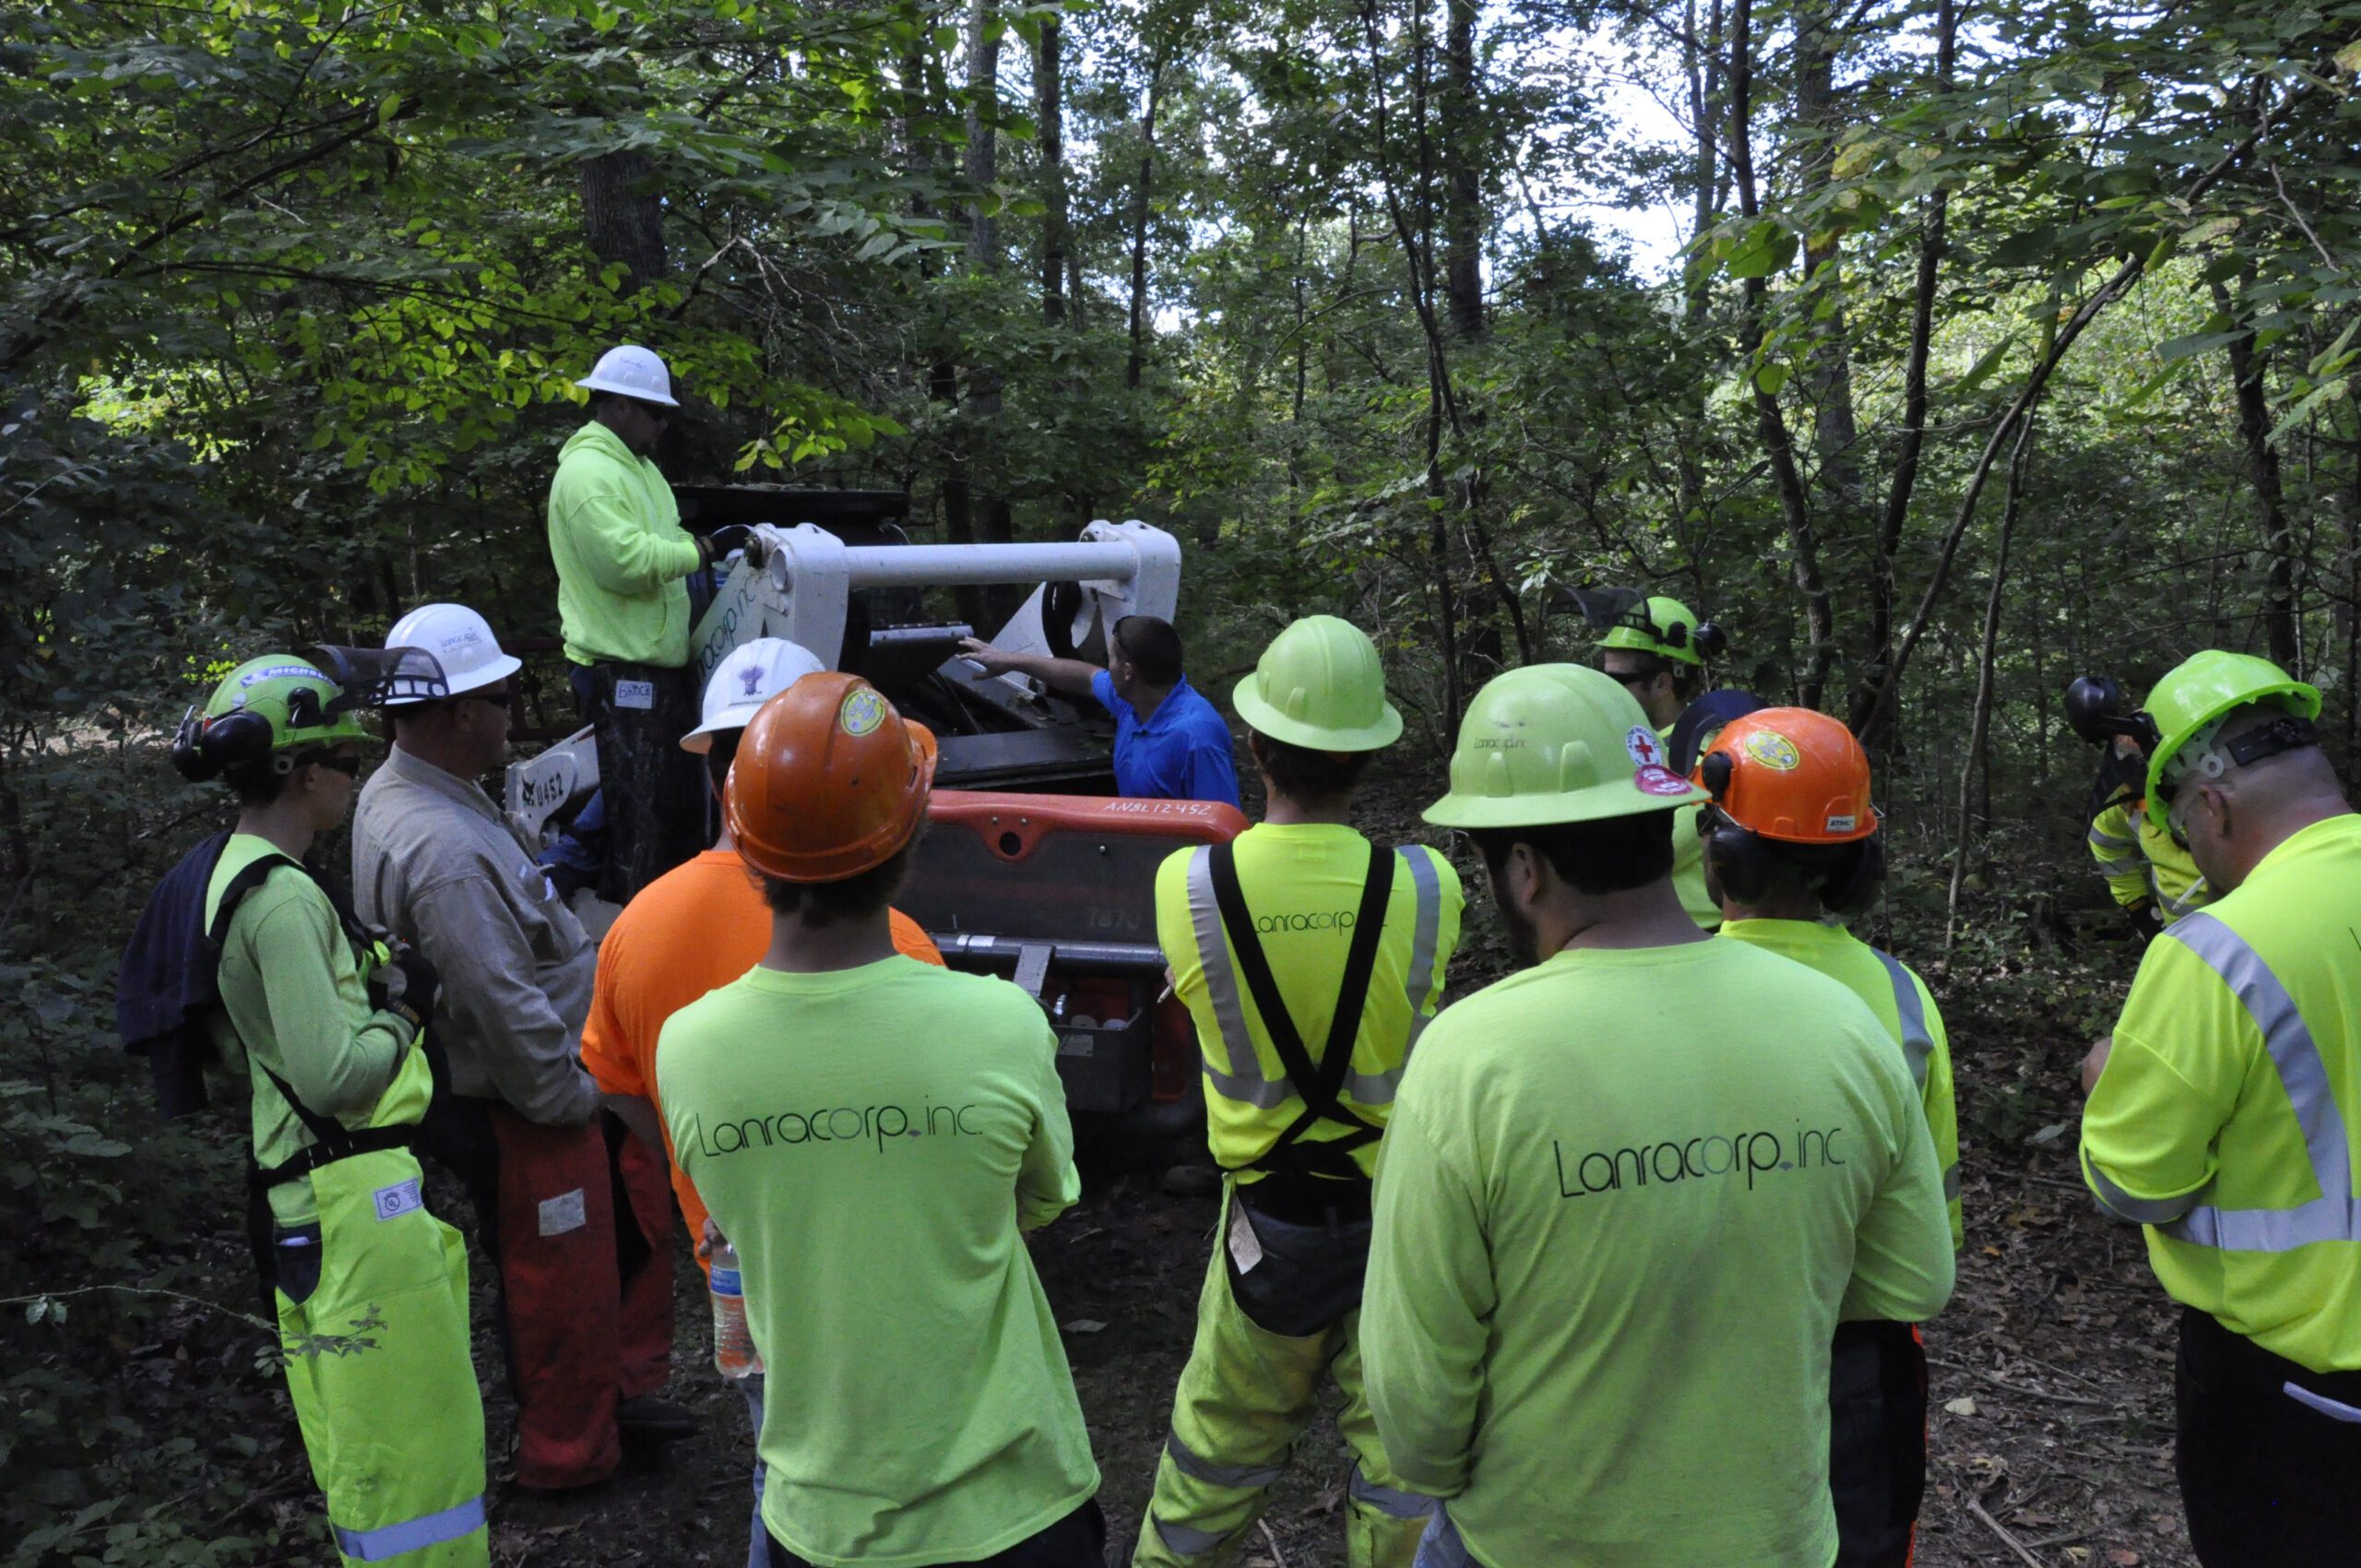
2052,1369
2052,1436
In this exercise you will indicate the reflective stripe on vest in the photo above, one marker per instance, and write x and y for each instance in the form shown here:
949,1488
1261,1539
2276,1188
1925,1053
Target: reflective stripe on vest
1917,1045
2117,856
410,1535
2332,1216
1245,1080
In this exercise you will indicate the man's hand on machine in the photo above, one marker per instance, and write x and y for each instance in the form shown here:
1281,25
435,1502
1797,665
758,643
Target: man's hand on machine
990,660
716,545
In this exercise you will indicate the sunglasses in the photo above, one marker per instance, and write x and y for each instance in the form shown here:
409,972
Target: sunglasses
656,411
489,699
346,763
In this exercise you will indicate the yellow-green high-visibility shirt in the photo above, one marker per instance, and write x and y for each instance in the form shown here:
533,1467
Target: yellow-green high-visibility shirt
872,1141
2230,1106
293,1001
2135,852
1302,883
621,555
1902,1002
1625,1199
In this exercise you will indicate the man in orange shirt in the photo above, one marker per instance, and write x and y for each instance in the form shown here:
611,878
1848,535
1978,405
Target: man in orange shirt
694,929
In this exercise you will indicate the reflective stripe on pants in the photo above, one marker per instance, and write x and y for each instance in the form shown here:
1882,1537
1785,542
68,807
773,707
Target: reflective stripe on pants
394,1427
1244,1399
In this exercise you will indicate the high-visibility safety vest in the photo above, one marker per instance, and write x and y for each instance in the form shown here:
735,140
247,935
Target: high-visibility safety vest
1302,883
1902,1002
2136,854
2230,1107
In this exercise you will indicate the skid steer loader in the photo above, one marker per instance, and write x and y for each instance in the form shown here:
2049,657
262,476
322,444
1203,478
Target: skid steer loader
1030,869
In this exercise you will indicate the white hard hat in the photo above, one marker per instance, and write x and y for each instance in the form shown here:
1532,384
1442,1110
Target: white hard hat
747,678
461,641
633,372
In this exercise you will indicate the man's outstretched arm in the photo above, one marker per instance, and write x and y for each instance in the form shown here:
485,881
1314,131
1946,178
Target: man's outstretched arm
1070,676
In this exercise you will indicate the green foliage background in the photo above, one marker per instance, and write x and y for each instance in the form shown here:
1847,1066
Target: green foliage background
291,297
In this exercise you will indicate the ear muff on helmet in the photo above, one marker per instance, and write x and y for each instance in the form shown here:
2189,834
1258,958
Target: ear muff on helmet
1853,887
1740,863
1744,865
208,748
1712,641
188,755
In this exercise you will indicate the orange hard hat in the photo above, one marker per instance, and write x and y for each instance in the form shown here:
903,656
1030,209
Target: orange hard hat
1792,774
829,781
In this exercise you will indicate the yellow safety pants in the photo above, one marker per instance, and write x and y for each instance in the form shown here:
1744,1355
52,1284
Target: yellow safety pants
389,1409
1245,1397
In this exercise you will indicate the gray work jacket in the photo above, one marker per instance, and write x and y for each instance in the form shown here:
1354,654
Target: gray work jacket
434,860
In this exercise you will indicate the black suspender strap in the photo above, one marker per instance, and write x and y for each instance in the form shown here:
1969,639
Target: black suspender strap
1316,1083
331,1140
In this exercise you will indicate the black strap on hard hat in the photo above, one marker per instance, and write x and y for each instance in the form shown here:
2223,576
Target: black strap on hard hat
1317,1084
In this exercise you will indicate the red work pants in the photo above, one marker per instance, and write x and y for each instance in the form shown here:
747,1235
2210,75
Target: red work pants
587,1301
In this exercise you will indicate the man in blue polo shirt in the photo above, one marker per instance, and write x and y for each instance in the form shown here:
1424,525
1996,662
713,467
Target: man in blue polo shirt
1171,743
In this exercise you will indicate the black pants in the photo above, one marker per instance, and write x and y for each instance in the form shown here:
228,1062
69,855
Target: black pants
655,793
2267,1481
1876,1442
1078,1540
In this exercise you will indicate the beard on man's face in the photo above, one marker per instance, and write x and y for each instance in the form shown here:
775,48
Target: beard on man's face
1524,936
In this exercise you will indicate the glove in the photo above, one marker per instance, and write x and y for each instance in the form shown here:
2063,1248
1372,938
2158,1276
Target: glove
717,544
409,983
2146,924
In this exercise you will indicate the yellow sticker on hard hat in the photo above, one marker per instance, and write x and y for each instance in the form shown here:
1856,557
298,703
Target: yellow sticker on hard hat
864,710
1773,750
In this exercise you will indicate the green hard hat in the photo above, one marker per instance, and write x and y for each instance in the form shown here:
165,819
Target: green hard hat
1649,627
1319,684
1556,742
2206,686
304,708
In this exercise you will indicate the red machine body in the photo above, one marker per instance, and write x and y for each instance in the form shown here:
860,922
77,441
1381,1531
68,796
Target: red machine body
1058,894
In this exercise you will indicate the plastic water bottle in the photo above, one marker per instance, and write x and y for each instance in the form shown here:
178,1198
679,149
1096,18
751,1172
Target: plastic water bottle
734,1343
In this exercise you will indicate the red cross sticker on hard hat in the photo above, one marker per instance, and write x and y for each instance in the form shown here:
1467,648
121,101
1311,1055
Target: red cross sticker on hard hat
1645,749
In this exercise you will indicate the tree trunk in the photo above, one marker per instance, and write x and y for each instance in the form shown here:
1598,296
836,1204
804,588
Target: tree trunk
1704,74
1462,137
982,414
1048,109
623,216
1141,199
1803,543
1829,378
983,133
1884,739
943,376
2271,506
1980,730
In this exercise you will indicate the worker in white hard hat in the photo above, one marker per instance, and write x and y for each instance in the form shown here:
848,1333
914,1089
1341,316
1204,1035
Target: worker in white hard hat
623,604
586,1277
